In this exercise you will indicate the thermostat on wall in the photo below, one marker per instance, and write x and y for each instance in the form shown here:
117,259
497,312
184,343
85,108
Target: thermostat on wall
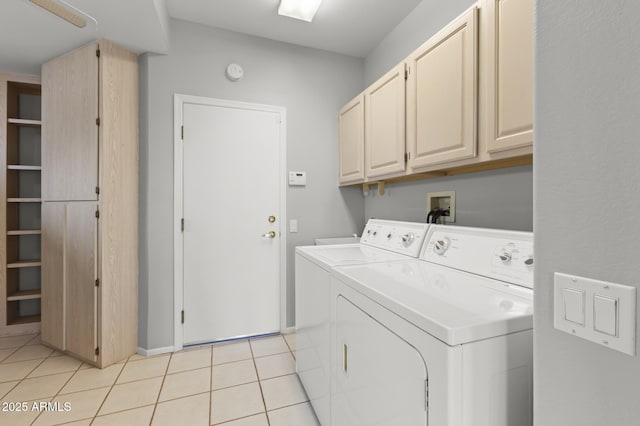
297,178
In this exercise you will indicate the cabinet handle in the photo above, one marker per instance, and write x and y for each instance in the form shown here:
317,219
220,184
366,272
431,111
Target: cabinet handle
345,357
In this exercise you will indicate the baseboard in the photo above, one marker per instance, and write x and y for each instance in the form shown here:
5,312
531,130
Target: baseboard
289,330
155,351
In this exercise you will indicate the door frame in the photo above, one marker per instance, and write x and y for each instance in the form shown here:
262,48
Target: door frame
179,100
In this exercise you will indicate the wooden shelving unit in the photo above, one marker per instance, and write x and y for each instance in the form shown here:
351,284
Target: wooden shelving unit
20,204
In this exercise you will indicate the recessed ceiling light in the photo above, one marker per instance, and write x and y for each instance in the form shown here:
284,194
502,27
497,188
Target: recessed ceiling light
62,11
304,10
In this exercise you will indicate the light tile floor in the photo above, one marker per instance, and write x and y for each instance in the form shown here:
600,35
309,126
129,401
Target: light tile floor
250,382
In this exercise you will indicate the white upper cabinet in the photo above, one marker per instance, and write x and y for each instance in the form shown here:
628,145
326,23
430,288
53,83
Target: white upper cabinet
351,122
509,52
385,124
442,95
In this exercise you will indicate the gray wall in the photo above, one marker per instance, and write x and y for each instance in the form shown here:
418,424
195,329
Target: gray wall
494,199
587,110
311,84
497,199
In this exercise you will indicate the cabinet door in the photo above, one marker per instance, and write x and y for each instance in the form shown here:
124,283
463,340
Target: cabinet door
443,95
380,378
351,122
509,50
81,247
69,128
53,237
385,124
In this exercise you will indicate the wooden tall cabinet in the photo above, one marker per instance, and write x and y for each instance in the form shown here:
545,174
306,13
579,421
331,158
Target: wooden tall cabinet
20,199
90,203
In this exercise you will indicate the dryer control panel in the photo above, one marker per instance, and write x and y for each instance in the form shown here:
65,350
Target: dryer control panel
493,253
399,237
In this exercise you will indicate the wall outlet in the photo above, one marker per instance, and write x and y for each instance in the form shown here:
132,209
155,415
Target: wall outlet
445,200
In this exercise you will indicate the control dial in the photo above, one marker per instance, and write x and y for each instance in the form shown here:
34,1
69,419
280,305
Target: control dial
441,245
407,239
505,256
529,260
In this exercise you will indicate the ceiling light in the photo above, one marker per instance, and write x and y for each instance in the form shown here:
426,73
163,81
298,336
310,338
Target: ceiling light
304,10
62,11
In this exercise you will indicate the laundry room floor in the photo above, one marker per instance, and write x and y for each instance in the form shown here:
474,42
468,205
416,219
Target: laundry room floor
250,382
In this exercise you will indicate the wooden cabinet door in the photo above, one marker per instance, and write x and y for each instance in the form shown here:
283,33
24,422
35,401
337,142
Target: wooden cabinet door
351,121
69,127
81,248
509,49
385,124
53,238
442,95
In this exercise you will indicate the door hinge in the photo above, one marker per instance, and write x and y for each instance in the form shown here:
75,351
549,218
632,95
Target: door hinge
426,395
98,53
97,214
182,224
406,74
407,156
97,282
97,190
97,351
182,317
182,132
98,121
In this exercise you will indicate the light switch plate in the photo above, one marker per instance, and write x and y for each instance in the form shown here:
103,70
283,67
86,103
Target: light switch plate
612,305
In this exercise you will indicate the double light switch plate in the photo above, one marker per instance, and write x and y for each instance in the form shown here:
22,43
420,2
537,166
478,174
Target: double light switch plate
598,311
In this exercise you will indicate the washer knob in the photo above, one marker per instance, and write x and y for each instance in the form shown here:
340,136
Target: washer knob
388,236
441,246
529,261
505,256
407,239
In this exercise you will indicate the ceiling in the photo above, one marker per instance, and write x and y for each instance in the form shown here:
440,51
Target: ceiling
352,27
30,36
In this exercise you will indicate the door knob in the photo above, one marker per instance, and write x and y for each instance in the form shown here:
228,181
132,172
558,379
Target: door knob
271,219
270,234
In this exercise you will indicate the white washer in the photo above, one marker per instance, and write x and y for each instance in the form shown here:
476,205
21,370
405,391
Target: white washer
441,340
381,241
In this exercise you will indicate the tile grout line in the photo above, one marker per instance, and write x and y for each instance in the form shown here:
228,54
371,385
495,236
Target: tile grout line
110,389
62,387
155,407
211,387
264,403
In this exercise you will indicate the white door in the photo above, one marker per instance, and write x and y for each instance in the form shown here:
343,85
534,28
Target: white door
231,210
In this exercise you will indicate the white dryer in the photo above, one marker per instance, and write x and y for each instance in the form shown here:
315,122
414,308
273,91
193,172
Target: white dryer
381,241
442,340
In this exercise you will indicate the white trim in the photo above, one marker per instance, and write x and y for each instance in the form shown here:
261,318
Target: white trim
155,351
288,330
178,266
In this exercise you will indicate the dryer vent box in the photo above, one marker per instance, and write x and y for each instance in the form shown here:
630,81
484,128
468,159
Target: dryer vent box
445,200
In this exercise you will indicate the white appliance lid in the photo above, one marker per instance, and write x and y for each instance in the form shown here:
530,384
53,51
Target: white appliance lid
451,305
347,254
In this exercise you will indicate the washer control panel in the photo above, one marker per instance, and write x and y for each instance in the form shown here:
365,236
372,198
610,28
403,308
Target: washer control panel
399,237
499,254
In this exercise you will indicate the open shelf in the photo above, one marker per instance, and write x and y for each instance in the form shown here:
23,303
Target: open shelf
24,200
25,232
24,295
24,122
23,167
24,263
24,320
